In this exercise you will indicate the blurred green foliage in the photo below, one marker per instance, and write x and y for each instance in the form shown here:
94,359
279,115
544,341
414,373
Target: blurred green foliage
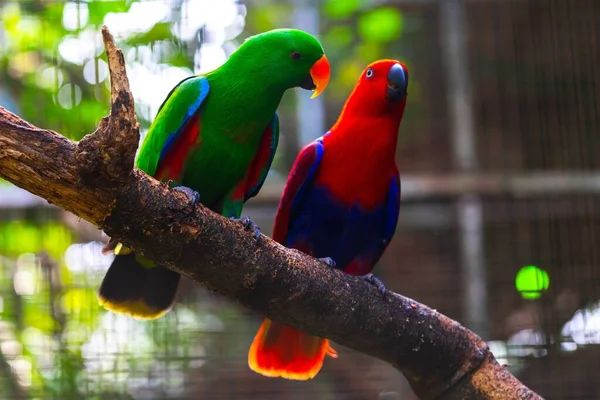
33,72
67,95
38,77
18,237
57,342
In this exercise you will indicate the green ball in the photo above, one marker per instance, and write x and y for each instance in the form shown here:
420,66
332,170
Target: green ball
531,281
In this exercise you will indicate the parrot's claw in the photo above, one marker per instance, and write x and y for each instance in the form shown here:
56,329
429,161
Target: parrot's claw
373,280
329,261
249,225
190,193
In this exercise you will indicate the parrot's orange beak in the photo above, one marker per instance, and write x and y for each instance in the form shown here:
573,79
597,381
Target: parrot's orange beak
319,73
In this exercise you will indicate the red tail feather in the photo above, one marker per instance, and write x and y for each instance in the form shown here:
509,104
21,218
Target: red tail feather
281,351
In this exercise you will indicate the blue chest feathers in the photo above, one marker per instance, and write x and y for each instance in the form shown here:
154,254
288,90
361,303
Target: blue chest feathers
325,227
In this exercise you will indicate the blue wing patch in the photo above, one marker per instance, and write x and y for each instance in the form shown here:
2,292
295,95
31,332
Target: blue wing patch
192,110
392,210
310,176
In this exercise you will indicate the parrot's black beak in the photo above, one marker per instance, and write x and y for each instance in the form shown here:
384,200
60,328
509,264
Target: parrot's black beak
307,83
397,83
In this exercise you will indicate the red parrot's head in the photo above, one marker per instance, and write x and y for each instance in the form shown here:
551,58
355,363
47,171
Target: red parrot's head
381,89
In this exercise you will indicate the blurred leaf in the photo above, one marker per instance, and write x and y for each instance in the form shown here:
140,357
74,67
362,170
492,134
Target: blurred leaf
99,9
341,8
53,11
69,367
50,39
180,59
160,31
267,18
79,300
25,33
38,317
11,15
346,77
338,37
382,25
56,238
369,51
17,237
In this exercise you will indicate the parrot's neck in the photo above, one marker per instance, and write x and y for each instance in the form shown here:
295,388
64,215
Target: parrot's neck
369,130
366,149
253,83
247,106
369,138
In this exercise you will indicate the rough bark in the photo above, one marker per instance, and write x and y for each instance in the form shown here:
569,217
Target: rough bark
95,180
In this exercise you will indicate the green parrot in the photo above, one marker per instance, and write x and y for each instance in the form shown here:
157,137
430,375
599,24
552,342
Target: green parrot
215,136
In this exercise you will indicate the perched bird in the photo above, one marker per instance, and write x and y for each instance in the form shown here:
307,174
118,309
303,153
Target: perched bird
340,204
214,137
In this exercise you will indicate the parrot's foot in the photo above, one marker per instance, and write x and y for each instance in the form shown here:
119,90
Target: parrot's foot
373,280
329,261
248,225
190,193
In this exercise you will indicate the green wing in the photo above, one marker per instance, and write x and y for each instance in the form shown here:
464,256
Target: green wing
181,104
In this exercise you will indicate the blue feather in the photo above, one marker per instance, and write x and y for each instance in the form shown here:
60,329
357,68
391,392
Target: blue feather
310,176
392,210
192,110
332,228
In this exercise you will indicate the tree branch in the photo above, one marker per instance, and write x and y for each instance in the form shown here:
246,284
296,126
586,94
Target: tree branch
95,180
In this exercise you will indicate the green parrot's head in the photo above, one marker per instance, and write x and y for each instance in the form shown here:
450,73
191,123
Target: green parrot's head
285,58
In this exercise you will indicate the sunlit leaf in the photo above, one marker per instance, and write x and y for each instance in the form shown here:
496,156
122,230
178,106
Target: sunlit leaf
180,59
79,300
10,16
48,42
19,237
38,317
266,18
341,8
382,24
56,238
53,11
160,31
26,33
99,9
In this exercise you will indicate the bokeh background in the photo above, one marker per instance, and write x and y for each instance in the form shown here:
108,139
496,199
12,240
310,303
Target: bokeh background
500,215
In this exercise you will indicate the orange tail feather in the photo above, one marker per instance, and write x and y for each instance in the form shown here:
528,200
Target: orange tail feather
281,351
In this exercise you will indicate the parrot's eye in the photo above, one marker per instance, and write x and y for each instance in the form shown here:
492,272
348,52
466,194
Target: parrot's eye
370,72
296,55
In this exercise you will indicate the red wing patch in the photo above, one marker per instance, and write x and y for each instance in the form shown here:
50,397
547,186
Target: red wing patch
171,167
260,161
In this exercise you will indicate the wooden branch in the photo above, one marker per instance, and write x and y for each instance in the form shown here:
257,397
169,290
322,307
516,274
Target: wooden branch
95,180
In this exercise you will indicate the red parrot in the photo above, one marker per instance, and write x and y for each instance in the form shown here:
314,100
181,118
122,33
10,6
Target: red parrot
341,204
